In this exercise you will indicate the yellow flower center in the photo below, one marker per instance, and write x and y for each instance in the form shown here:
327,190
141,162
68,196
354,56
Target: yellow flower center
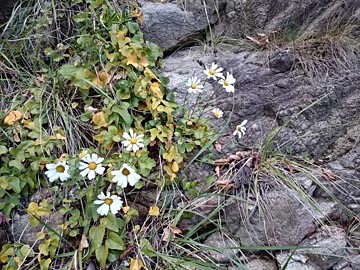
108,201
92,166
211,71
125,172
226,83
133,140
193,86
60,168
217,114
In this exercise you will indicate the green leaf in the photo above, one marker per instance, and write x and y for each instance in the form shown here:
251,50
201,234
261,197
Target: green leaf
101,254
3,150
110,222
123,112
81,17
16,164
14,184
133,27
96,235
115,242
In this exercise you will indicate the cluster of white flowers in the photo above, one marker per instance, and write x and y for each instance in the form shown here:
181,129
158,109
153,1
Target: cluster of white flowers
91,165
214,72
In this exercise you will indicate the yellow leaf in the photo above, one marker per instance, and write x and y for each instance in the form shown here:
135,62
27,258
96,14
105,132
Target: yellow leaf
126,209
29,124
148,73
154,211
175,167
12,117
155,89
99,120
3,183
136,264
132,60
169,171
60,137
143,62
6,251
37,210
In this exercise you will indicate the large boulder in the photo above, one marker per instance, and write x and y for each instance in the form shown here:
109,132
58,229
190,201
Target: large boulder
171,26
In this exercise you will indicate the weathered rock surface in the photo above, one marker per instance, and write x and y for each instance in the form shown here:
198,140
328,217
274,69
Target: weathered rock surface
331,243
169,25
297,262
23,232
224,249
260,264
174,24
280,219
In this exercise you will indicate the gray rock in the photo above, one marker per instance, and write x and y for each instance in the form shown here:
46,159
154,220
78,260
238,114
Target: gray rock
277,219
330,243
352,262
297,262
170,26
222,247
289,17
261,264
23,232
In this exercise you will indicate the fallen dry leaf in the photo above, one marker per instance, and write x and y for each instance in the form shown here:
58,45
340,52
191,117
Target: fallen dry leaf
136,264
224,185
221,161
12,117
83,243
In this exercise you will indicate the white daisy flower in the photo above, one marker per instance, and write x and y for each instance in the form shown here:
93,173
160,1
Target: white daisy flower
126,175
194,85
240,129
91,166
217,113
112,203
214,72
132,141
59,170
228,83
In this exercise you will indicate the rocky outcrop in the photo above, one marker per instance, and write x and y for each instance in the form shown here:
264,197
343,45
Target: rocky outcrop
173,25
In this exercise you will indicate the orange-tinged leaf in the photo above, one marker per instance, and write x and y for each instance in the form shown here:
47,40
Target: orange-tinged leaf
12,117
175,230
99,120
143,62
175,167
154,211
121,35
140,17
132,60
136,264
